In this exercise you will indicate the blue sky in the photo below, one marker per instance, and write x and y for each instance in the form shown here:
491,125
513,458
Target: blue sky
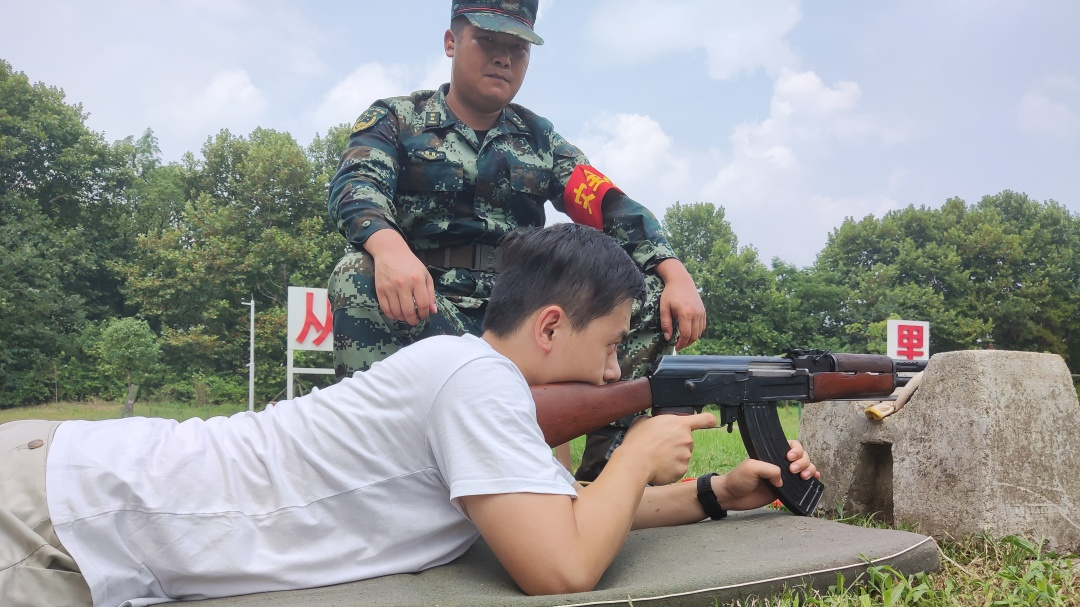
791,115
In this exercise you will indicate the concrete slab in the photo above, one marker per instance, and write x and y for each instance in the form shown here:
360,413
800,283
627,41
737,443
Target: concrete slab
755,553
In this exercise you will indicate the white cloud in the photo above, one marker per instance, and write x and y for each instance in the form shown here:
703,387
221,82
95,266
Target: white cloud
772,186
771,181
806,115
639,157
229,100
807,92
1038,113
221,8
898,177
434,73
353,94
541,11
737,37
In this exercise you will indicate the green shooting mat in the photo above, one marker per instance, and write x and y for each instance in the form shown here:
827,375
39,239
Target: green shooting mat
757,553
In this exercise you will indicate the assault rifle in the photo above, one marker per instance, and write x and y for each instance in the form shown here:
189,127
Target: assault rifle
746,389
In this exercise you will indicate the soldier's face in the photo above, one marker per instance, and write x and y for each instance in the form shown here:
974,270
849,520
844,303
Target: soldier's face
488,67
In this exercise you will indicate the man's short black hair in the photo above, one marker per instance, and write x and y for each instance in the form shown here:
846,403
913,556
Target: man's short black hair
578,268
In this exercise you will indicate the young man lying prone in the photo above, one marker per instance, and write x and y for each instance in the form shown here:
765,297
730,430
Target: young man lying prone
396,469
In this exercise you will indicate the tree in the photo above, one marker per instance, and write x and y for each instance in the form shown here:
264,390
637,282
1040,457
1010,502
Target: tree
1004,272
38,310
57,227
61,170
255,223
811,316
129,350
325,153
742,304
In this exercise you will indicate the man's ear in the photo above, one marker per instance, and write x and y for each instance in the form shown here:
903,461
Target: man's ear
550,322
448,43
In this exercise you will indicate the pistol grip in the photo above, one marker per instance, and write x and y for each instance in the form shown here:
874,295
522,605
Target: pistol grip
764,439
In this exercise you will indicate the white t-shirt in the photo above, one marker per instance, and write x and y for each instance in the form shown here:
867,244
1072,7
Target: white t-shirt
359,480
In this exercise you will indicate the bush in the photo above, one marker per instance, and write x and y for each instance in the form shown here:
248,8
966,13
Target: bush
200,390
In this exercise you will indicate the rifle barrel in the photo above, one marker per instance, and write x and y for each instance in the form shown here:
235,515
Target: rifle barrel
909,366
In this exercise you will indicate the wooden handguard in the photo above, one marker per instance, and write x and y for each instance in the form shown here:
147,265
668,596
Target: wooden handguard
827,386
864,363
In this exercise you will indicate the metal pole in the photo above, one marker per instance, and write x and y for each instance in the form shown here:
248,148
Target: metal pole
251,358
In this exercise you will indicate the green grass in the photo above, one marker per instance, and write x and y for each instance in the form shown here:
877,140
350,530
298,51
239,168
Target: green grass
978,571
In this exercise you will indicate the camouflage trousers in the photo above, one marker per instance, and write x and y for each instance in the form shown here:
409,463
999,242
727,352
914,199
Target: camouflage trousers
363,335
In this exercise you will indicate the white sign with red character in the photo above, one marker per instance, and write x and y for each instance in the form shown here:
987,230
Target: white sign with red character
311,327
311,324
909,339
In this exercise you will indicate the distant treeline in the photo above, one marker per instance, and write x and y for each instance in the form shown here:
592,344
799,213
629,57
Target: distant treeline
118,268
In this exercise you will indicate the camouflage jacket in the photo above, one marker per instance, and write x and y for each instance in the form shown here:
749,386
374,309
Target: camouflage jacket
413,167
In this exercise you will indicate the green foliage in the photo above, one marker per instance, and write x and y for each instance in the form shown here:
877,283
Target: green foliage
741,300
93,232
129,350
53,175
207,390
99,232
254,225
1004,272
76,373
325,153
38,310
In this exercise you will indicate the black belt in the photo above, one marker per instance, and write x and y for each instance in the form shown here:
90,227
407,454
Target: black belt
476,257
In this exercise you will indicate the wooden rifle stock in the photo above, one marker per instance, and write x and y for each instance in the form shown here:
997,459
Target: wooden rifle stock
566,411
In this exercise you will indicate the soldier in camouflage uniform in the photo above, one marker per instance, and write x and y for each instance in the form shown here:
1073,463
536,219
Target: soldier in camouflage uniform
431,182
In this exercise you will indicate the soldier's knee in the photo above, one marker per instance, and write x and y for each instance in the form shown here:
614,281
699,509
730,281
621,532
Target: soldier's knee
352,282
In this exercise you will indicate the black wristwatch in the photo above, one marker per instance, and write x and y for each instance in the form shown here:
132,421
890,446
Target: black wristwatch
707,497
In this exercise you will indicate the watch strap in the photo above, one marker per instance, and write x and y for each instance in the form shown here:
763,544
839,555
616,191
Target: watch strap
707,497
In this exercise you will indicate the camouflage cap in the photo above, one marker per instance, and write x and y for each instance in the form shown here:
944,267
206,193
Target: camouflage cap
514,17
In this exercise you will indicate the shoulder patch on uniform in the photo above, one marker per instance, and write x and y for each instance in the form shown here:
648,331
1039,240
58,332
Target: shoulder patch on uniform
368,118
518,122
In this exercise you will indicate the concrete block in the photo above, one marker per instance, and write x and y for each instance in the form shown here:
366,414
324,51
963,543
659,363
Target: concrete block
990,442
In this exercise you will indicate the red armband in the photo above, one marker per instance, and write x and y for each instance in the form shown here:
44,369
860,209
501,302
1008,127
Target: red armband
584,196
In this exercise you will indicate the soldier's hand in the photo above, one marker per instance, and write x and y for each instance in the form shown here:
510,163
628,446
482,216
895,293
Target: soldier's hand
680,302
402,282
